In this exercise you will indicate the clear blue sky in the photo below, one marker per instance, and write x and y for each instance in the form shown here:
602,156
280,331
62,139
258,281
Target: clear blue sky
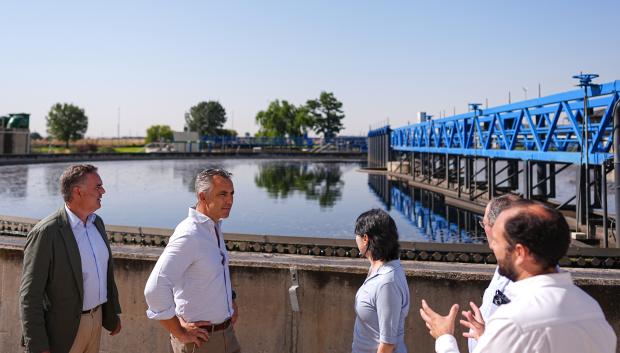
382,59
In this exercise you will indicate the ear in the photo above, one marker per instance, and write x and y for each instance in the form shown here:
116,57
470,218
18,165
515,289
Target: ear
75,191
521,254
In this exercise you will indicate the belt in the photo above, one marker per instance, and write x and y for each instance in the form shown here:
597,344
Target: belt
90,311
218,327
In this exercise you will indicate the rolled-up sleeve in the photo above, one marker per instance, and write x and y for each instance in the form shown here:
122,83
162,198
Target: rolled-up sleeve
167,274
389,307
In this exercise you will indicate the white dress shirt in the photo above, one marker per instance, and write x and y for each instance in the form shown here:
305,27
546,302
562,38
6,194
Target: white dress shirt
191,277
498,282
547,314
94,257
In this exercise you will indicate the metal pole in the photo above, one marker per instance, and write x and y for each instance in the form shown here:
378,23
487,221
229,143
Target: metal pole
585,81
617,169
587,148
604,201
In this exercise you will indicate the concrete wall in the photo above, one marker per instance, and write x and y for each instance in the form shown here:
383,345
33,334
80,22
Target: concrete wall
266,322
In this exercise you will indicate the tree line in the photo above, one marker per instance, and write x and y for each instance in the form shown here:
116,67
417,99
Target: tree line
67,122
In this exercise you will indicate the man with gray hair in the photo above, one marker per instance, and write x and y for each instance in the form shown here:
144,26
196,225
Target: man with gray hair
189,290
494,294
67,289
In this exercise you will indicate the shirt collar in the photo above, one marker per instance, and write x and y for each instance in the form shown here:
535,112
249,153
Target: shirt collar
561,278
74,220
386,268
200,217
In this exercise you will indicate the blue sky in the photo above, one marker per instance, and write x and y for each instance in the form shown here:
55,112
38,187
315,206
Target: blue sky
382,59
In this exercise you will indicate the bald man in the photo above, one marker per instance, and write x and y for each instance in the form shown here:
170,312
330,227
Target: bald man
546,312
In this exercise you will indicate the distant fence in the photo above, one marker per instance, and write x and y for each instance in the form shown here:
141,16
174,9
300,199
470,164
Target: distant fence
340,143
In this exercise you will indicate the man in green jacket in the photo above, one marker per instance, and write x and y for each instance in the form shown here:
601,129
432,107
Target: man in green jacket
67,287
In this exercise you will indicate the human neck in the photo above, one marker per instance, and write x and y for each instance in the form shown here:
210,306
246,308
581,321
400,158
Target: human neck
375,264
527,273
79,212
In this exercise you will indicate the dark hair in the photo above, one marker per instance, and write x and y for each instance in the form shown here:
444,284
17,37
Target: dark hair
382,234
73,176
498,204
541,229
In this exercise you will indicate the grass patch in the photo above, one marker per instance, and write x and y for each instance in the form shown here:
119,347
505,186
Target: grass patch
130,149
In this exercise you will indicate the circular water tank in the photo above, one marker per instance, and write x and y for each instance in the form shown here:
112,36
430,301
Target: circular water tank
19,121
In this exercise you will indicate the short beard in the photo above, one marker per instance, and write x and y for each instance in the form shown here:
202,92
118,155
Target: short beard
506,269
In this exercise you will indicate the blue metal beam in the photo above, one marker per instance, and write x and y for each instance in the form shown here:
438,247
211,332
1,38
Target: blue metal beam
543,129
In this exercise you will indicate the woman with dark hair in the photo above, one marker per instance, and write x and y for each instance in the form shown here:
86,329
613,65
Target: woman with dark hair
382,302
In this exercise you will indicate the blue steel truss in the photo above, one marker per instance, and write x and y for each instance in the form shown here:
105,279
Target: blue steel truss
544,129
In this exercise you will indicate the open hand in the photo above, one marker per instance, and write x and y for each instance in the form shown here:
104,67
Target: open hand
473,321
438,325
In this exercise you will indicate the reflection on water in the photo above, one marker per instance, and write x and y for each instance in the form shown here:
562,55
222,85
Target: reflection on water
317,181
52,178
428,212
13,181
275,197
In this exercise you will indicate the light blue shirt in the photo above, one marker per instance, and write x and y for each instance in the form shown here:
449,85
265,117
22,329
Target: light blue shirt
94,255
191,278
381,307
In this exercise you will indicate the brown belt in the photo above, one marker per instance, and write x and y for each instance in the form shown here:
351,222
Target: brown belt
219,327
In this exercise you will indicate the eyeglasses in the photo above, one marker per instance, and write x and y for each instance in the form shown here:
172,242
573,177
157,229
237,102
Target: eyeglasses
500,298
481,221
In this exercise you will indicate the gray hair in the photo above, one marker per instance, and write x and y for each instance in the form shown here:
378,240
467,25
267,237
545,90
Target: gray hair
204,179
73,176
498,204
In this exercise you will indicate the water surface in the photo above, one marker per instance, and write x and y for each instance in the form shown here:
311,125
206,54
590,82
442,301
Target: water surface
284,197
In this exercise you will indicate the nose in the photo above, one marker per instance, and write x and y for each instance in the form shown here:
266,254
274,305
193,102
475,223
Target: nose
102,190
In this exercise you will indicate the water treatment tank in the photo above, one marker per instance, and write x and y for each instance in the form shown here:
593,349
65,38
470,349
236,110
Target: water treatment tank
19,121
4,121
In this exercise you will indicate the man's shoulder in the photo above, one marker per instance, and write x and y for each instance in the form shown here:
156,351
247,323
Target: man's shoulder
46,230
184,229
51,222
549,306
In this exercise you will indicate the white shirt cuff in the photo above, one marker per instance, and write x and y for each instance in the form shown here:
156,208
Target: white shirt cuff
446,344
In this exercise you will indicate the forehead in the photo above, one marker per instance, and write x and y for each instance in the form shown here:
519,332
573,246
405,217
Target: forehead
221,183
487,210
500,223
92,178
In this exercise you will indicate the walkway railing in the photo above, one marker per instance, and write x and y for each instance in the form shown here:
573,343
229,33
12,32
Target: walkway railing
545,129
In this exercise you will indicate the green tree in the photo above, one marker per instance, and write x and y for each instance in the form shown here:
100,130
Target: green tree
35,136
326,113
206,118
157,133
283,118
227,132
66,122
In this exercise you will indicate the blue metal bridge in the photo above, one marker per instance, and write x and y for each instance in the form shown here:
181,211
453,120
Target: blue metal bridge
550,129
518,148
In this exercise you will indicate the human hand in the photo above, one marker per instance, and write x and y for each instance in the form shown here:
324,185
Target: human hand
474,322
438,325
235,314
117,329
193,331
